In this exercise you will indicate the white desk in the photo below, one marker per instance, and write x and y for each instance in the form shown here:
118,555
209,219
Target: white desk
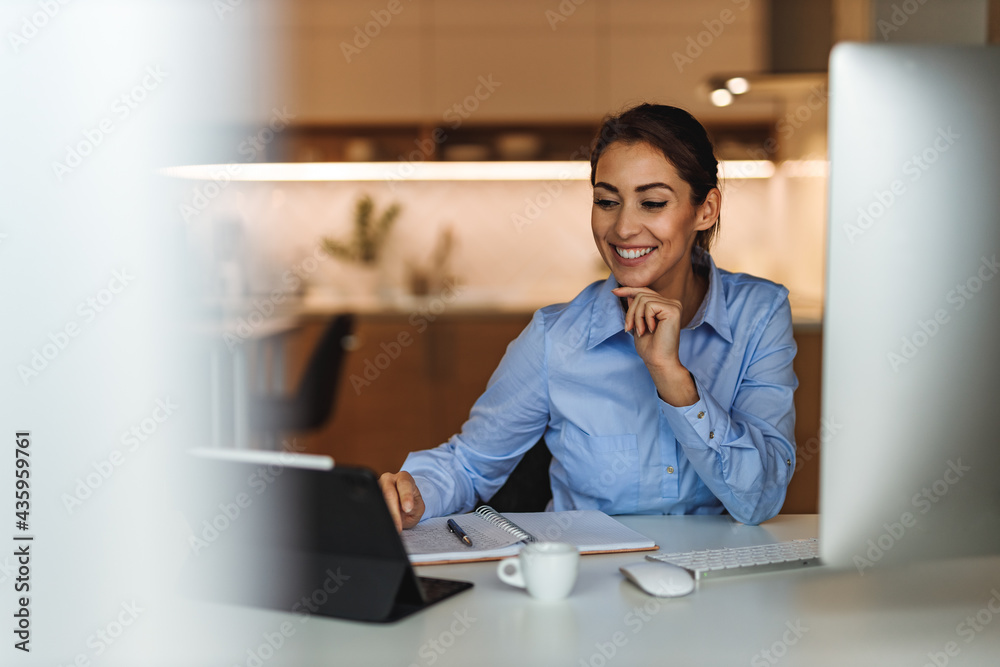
842,619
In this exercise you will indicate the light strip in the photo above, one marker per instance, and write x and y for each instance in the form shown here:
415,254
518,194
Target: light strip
737,169
423,171
805,168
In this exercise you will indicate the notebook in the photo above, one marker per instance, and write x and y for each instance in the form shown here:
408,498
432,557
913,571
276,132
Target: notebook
496,535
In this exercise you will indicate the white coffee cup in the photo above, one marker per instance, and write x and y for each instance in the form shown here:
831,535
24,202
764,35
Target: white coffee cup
546,569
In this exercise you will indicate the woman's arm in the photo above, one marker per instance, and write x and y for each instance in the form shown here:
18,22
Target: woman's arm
746,454
505,422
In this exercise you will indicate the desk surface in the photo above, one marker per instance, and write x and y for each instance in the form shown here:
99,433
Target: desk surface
812,616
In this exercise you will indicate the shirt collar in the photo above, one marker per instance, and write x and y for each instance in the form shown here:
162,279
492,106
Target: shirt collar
607,318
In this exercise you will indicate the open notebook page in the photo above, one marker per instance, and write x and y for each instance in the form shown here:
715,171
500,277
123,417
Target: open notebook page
433,537
590,530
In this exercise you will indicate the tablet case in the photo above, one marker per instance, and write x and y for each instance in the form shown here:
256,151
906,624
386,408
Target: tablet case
307,541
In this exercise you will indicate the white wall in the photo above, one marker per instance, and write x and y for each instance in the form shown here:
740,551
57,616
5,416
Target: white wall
521,238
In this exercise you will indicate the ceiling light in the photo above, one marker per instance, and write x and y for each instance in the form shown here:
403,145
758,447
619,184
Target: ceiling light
738,85
721,97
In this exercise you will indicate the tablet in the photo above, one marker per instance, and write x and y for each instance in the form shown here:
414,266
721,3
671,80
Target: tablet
302,535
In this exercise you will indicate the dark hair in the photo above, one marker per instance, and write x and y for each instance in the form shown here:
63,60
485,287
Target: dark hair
684,143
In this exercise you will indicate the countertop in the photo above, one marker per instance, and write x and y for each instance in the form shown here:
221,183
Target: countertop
464,301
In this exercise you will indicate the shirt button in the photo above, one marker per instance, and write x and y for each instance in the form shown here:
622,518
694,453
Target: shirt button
670,470
711,434
701,415
788,461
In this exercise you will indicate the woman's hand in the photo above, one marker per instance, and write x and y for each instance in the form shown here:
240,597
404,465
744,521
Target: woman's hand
656,325
403,498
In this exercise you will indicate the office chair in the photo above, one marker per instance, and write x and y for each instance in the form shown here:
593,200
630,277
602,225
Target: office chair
528,488
312,402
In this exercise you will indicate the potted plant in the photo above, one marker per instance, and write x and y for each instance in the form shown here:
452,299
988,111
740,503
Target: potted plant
364,246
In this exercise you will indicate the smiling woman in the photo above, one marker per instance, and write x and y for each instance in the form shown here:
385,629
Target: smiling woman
690,414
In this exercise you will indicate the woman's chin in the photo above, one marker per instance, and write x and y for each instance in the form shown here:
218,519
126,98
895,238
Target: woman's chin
629,281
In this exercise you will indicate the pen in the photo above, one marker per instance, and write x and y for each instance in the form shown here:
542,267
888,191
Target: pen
459,533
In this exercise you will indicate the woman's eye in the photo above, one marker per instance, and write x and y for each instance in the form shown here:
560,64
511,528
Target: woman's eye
605,203
654,204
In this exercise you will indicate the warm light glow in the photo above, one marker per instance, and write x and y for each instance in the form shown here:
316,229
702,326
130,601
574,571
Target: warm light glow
721,97
737,169
738,85
386,171
577,170
805,168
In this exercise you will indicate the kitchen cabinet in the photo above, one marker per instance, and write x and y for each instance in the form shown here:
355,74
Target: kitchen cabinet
400,61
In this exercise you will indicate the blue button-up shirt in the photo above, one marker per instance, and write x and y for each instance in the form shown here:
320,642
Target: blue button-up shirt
573,375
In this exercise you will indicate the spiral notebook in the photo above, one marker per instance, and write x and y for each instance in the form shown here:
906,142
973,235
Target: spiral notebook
495,535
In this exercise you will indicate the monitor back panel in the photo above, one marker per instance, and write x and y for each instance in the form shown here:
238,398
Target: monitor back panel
911,364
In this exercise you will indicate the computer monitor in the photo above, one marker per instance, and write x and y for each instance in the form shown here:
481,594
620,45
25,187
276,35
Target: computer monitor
911,329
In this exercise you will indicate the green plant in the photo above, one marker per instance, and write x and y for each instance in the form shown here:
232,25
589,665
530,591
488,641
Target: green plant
369,234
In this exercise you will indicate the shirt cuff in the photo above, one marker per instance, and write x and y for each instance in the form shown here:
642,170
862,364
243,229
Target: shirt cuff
702,424
432,497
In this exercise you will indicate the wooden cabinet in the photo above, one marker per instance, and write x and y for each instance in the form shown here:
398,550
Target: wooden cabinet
410,383
803,492
398,61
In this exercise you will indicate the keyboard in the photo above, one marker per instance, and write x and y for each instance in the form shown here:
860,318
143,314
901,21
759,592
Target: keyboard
712,563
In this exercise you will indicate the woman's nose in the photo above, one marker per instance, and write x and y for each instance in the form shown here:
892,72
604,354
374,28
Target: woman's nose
627,224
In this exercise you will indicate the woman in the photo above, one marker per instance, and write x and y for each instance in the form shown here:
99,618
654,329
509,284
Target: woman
665,389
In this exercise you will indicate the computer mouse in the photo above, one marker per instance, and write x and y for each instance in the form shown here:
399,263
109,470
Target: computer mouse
659,579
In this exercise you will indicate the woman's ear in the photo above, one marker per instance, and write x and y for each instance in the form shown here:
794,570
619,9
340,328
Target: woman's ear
708,211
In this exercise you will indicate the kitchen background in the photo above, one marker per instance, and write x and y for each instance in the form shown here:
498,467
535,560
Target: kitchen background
410,83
